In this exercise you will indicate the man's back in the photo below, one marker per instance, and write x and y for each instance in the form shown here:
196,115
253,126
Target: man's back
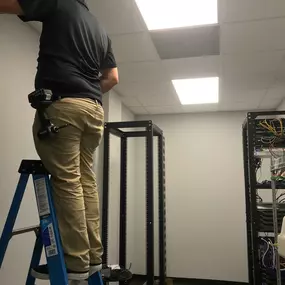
73,48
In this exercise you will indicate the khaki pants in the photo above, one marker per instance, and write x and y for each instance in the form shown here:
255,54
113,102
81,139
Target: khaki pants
69,158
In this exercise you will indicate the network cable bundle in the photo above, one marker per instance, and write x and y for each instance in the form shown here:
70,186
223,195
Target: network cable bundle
267,247
270,133
275,138
264,146
268,261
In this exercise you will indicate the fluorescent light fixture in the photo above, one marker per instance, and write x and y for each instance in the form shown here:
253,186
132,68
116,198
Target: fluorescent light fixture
167,14
197,90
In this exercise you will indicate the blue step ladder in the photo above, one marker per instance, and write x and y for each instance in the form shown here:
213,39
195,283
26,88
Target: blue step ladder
47,234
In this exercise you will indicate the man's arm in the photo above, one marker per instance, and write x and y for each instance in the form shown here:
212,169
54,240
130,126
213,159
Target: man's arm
109,70
109,78
29,10
10,7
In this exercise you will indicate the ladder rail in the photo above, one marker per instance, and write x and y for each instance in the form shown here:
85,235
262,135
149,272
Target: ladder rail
36,258
47,234
49,230
13,213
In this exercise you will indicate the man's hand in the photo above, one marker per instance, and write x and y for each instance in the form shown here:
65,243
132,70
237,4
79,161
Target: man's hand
10,7
110,78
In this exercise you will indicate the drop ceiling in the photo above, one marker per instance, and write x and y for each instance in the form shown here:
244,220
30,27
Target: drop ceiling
250,60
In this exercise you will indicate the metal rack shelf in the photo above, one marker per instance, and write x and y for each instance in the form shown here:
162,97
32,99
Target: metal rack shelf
265,217
268,186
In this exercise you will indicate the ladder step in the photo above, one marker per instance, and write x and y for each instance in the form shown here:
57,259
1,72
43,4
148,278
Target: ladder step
26,230
32,167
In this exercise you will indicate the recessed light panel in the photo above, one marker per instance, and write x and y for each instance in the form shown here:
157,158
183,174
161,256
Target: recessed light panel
197,90
167,14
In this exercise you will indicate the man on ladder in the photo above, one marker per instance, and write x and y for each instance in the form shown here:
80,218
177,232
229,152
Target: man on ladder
76,64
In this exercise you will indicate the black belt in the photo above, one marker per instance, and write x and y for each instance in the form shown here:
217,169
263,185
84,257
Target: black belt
76,97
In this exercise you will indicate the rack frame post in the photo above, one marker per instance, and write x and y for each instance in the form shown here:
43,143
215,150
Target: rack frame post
125,131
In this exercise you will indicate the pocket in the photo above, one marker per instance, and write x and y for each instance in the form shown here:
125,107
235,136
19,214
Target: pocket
99,113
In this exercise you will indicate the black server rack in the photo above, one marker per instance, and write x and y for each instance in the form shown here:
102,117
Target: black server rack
259,215
147,130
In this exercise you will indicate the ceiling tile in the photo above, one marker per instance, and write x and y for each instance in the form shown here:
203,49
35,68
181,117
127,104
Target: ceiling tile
246,81
192,67
164,100
134,47
187,42
274,8
253,63
276,93
139,110
154,110
131,101
142,72
280,75
241,10
238,106
269,103
253,36
242,96
118,16
199,108
141,89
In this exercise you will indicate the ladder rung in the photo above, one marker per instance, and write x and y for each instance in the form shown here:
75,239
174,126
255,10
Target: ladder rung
25,230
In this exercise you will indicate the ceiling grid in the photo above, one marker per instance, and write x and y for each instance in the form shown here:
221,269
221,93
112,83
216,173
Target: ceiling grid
250,61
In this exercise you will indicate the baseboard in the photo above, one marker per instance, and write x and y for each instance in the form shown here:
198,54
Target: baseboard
140,279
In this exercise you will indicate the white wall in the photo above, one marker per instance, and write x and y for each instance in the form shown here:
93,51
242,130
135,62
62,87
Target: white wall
18,55
206,230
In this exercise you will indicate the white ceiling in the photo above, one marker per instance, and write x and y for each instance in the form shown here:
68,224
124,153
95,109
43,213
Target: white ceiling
251,66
